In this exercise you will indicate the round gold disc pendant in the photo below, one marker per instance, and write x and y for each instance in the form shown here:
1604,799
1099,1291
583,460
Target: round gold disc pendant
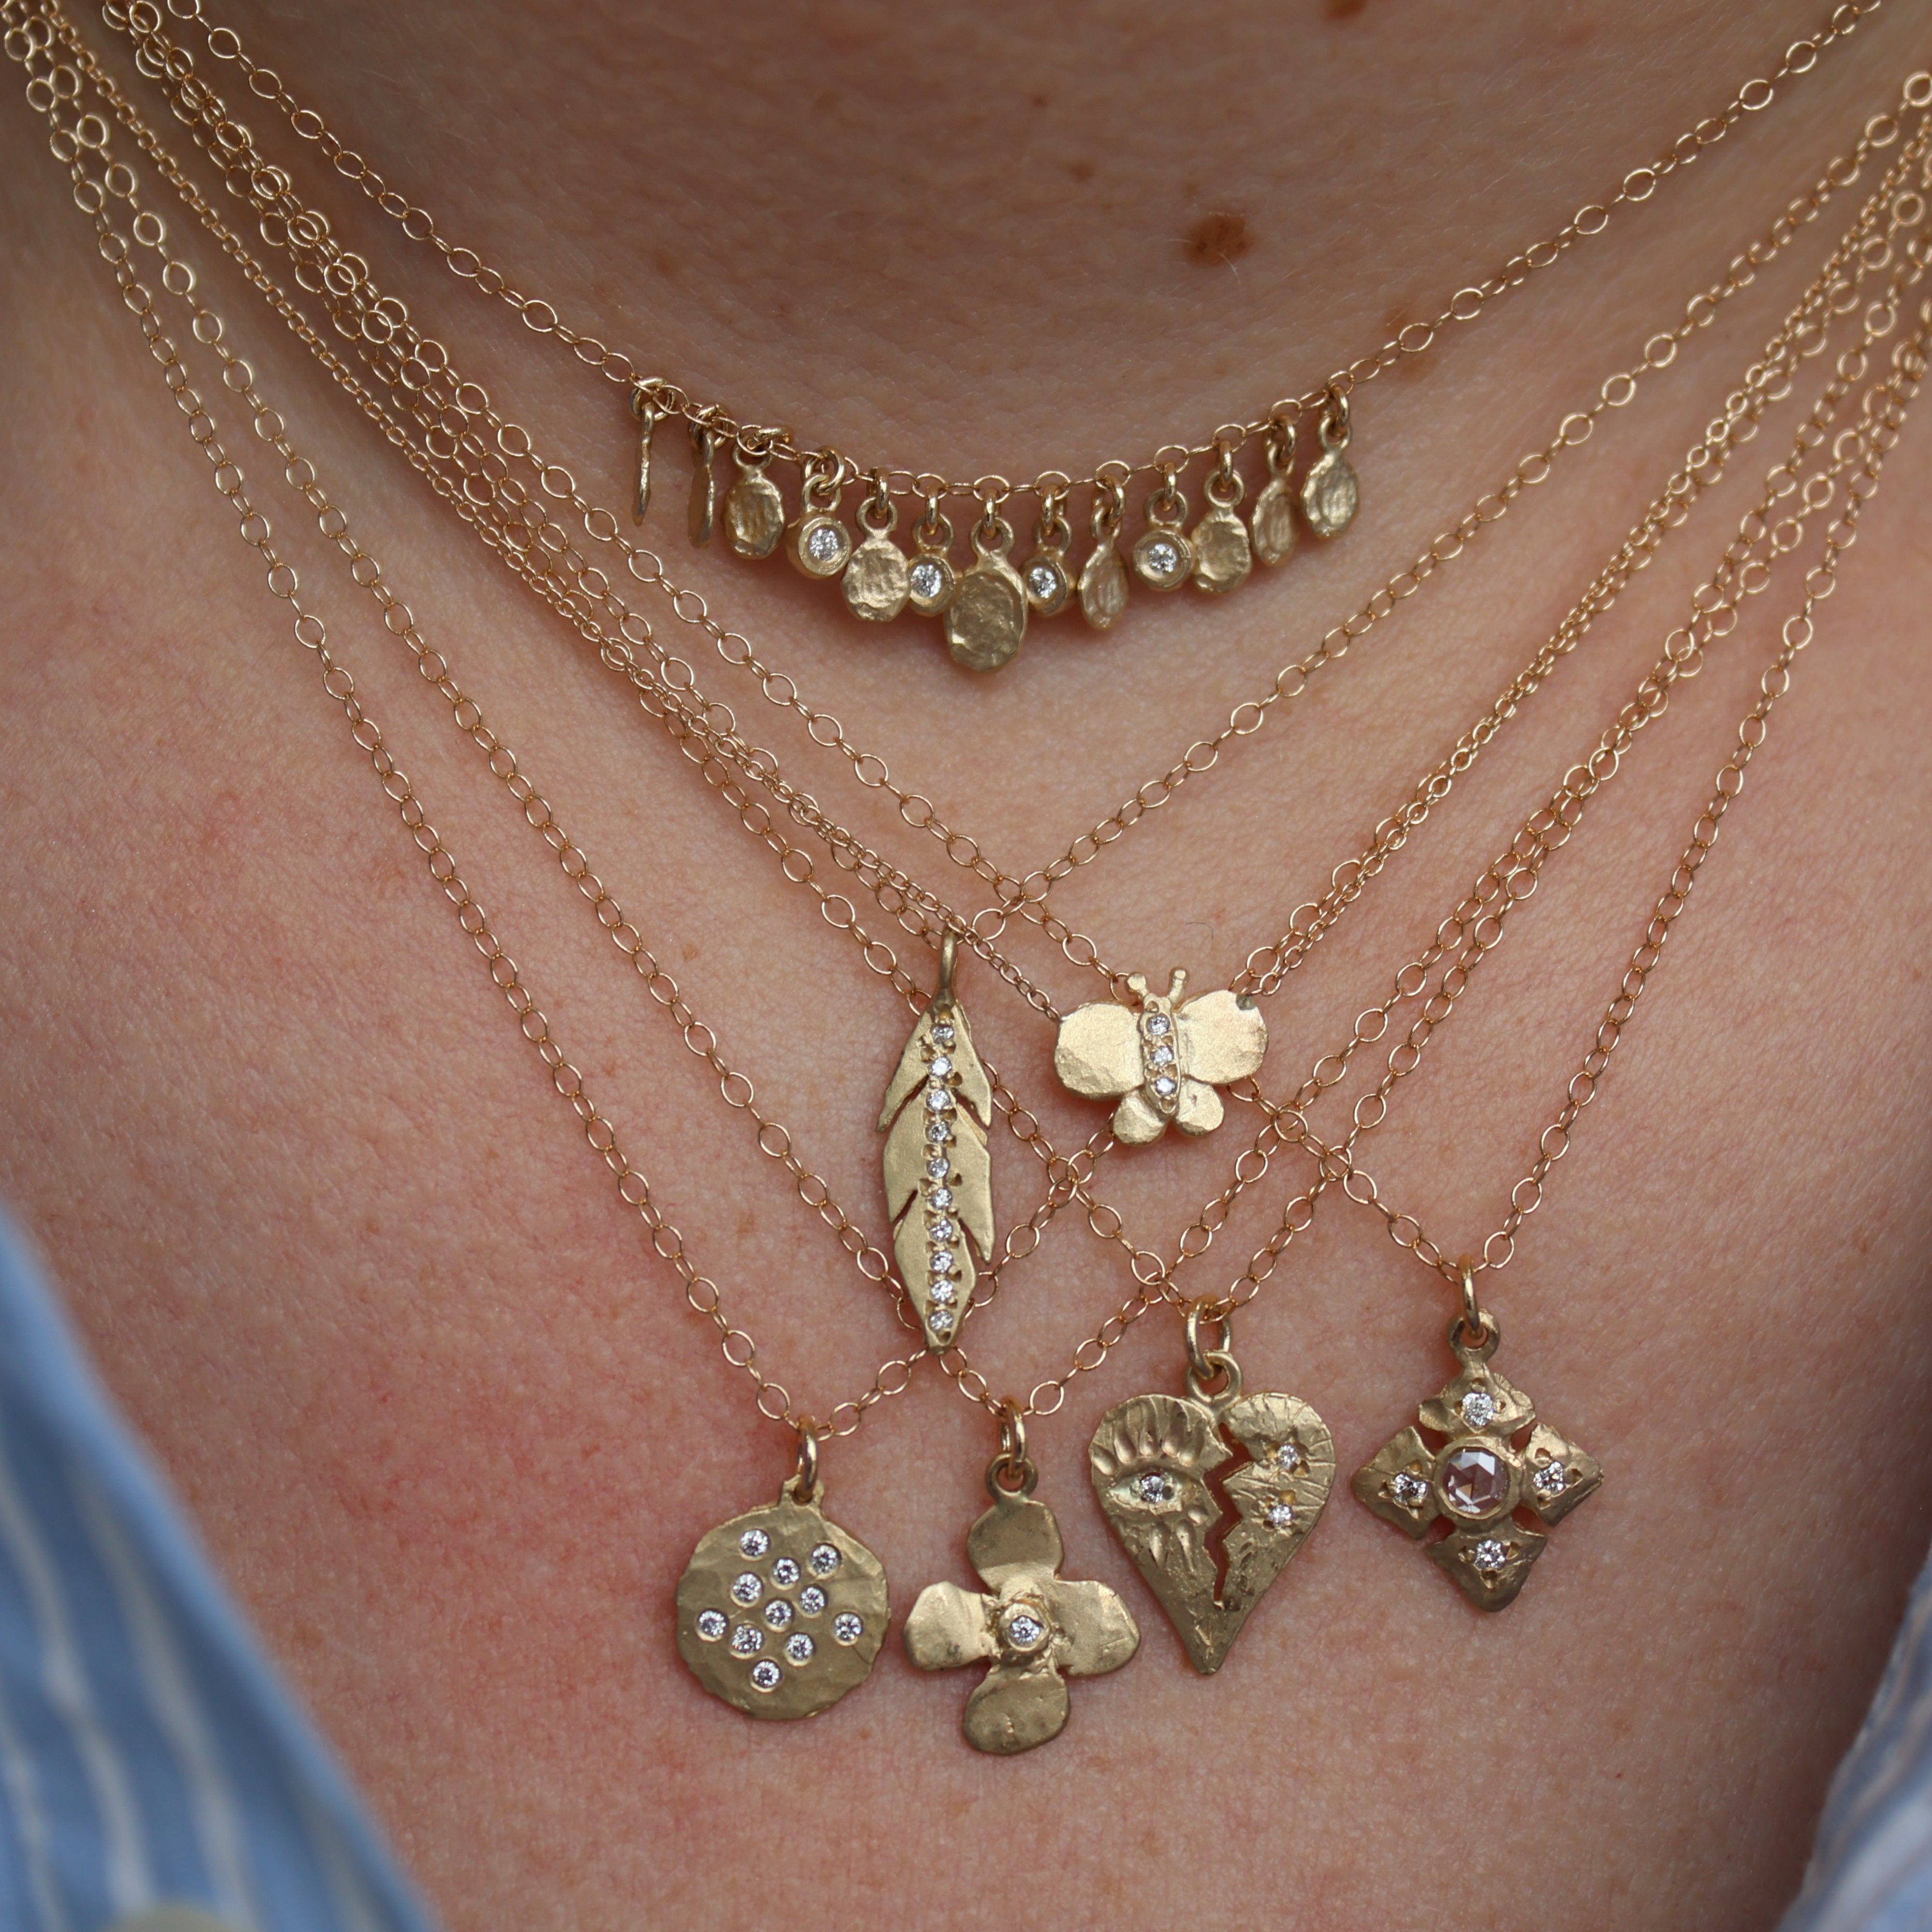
780,1613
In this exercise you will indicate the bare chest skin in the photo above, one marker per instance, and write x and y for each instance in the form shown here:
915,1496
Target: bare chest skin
440,1413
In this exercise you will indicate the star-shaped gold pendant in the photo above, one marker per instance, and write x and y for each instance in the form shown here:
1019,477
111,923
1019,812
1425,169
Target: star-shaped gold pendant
1498,1469
1035,1629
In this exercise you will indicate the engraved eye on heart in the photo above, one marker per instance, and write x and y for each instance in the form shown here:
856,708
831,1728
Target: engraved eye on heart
1208,1530
1165,1056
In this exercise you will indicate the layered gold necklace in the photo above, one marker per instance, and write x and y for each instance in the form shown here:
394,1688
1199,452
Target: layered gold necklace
1210,1490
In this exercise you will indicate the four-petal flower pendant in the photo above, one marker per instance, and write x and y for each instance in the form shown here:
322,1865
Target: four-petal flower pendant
1034,1629
1498,1463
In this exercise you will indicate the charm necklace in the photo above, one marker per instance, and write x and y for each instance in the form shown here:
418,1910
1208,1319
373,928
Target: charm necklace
781,1612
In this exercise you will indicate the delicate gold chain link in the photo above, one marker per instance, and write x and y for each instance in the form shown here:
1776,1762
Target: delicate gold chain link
1467,305
896,891
1865,452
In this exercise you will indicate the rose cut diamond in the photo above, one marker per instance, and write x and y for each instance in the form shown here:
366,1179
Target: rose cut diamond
1475,1480
1043,581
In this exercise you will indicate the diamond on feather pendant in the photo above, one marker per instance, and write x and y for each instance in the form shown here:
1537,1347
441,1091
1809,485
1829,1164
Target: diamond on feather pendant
939,1178
1166,1056
1159,1465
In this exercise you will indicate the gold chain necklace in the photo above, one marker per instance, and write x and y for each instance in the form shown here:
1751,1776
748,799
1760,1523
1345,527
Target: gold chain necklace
1458,1483
986,607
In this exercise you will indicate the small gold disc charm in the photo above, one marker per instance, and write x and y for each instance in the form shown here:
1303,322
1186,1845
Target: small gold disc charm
1033,1629
1103,578
1162,555
1272,522
703,505
930,578
1210,1539
939,1178
1483,1479
754,509
648,414
1166,1055
818,543
1222,555
877,581
780,1612
1330,494
1049,584
986,621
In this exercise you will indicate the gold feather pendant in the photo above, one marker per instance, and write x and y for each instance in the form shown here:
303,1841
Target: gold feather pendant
938,1179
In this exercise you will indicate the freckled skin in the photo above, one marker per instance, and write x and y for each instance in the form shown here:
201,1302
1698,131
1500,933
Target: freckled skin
439,1412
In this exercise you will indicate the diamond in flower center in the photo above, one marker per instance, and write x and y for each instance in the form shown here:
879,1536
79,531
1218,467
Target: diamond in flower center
1025,1631
1475,1480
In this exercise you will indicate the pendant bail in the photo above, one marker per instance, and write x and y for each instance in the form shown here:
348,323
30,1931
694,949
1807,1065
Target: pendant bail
1213,1374
804,1485
1012,1460
949,946
1473,1332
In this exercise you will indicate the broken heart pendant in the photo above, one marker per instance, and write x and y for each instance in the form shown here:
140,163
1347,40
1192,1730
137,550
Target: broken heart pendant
1154,1460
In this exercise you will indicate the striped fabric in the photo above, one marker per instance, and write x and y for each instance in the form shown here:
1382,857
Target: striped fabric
1871,1869
148,1755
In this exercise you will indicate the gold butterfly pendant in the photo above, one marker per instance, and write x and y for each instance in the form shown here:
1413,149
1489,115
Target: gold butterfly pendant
1166,1055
